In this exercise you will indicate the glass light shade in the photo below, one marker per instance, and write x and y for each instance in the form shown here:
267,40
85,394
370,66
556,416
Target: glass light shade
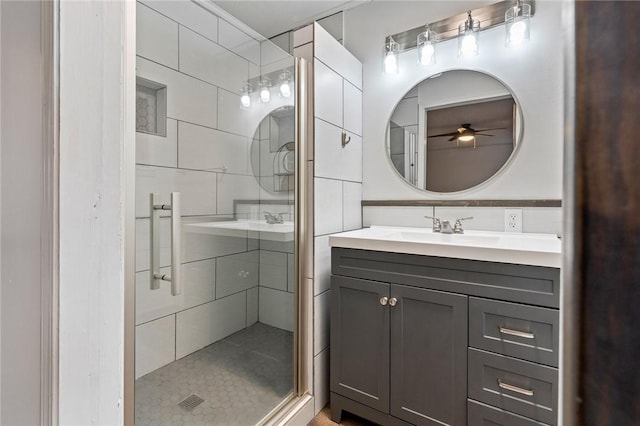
467,138
265,93
426,44
391,57
245,99
285,84
517,20
468,37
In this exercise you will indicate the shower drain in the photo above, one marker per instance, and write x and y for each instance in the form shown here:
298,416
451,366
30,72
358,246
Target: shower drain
191,402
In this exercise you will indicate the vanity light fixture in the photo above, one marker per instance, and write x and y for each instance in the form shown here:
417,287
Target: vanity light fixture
426,43
517,20
265,93
285,84
514,14
245,99
391,57
468,36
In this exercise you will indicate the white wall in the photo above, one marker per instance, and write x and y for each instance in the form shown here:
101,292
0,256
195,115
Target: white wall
21,154
533,73
337,173
93,62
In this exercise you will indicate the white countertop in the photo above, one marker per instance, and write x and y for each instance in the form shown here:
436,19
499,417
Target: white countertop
504,247
257,229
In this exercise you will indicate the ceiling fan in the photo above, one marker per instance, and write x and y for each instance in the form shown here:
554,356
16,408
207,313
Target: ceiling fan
466,133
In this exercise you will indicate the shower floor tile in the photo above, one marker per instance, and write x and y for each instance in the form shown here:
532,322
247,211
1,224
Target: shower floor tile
241,379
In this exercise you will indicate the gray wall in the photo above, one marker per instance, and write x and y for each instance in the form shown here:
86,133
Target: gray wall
21,153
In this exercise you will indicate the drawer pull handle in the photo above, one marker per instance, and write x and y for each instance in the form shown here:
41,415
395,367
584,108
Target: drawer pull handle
517,333
506,386
384,300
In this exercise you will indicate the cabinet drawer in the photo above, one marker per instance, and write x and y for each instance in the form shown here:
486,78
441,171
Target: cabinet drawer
484,415
521,331
534,285
521,387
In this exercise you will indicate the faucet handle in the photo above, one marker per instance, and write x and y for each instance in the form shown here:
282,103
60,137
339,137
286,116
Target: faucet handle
436,223
457,227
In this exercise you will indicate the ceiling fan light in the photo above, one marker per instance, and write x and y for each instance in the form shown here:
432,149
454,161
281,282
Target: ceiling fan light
466,138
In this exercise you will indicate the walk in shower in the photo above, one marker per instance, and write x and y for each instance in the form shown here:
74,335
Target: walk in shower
215,290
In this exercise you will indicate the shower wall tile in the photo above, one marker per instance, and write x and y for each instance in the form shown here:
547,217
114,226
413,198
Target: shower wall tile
232,118
237,272
352,206
197,189
235,187
188,99
321,380
352,108
199,246
270,53
273,270
200,326
202,148
321,304
327,206
276,308
155,345
332,53
154,150
322,265
252,306
198,281
156,36
328,94
188,14
332,160
239,42
210,62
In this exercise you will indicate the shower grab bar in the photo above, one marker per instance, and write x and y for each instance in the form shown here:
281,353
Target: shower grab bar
176,262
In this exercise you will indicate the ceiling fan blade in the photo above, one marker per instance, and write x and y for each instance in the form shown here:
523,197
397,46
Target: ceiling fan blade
443,134
493,128
483,134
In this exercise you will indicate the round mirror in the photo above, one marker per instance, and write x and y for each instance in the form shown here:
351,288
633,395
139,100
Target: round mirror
454,131
272,151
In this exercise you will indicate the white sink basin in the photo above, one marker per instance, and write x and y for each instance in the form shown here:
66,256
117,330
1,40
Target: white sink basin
505,247
257,229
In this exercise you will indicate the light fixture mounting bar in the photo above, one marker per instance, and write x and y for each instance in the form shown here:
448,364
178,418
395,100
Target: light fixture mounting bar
273,76
489,16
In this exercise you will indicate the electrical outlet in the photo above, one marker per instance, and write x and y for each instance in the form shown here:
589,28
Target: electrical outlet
513,220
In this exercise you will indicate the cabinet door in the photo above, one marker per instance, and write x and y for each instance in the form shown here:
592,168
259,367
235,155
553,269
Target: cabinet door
360,341
428,356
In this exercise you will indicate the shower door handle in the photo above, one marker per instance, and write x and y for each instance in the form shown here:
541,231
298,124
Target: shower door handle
176,261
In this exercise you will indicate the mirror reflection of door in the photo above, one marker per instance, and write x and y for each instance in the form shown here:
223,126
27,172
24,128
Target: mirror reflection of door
454,131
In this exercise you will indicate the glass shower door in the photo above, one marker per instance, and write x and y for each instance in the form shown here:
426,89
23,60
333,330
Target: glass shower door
215,211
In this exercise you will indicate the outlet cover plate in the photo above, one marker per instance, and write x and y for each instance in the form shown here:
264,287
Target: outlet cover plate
513,220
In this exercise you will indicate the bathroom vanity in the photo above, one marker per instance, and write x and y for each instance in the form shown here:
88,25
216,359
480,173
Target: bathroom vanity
434,329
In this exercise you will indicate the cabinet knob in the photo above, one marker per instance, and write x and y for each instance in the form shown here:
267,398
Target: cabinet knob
393,301
384,300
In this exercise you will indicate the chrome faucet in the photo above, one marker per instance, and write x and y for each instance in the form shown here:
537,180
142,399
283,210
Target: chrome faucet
436,227
273,218
457,227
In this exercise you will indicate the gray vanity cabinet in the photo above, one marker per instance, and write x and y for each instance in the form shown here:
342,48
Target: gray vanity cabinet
429,340
397,349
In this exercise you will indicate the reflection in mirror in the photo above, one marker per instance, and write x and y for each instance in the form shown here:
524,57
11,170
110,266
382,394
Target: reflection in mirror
454,131
272,151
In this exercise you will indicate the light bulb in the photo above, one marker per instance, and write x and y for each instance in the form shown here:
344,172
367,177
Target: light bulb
426,54
245,100
390,63
517,32
285,89
466,138
265,95
469,45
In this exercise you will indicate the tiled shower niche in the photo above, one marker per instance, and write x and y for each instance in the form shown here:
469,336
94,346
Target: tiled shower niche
151,107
